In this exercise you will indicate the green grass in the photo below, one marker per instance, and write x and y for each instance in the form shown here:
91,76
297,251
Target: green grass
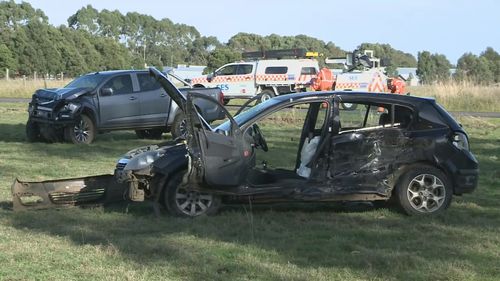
278,242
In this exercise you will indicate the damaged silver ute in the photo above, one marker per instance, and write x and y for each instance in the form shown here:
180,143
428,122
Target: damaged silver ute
397,146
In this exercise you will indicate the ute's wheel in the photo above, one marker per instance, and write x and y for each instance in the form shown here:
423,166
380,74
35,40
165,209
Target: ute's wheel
348,106
424,190
266,95
226,101
179,127
149,134
83,132
33,132
180,201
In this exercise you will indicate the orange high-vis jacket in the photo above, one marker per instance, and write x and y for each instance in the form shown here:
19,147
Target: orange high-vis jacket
397,86
324,80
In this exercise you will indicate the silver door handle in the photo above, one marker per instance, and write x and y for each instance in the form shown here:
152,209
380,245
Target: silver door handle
132,98
163,95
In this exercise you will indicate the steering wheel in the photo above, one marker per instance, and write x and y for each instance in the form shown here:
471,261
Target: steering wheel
259,138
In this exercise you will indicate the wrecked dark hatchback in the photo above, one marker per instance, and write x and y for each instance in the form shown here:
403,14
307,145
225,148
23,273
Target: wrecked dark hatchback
301,147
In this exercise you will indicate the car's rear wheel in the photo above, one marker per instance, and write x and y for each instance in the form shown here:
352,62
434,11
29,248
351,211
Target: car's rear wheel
424,190
226,101
33,132
348,106
149,134
266,95
179,126
180,201
82,132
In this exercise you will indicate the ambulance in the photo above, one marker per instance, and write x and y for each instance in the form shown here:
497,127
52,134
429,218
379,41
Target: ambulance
265,73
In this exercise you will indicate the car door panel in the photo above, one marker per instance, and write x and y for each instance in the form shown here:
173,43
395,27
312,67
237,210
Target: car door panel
364,160
154,101
122,108
218,159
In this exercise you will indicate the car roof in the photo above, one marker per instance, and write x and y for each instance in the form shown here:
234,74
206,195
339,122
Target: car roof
113,72
365,96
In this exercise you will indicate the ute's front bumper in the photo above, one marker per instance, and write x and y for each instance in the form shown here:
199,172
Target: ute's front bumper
94,190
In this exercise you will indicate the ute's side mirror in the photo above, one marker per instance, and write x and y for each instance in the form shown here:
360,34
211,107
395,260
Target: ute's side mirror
106,92
211,76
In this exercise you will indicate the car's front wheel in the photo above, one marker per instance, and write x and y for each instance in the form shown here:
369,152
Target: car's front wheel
424,190
32,131
180,201
82,132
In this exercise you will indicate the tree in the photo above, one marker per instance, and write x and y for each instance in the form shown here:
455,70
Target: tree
432,68
6,59
493,59
221,56
478,70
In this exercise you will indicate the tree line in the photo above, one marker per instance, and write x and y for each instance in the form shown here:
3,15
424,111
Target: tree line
102,40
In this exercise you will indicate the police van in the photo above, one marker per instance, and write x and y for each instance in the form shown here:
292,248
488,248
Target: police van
269,73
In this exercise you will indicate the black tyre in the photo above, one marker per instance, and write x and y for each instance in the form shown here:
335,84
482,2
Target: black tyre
179,127
149,134
348,106
33,132
266,95
424,190
179,201
226,101
83,132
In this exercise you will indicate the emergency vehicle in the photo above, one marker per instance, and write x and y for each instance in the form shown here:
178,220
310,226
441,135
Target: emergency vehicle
362,72
269,73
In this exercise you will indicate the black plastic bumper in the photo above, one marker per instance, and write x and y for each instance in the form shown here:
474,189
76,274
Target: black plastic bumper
56,122
466,181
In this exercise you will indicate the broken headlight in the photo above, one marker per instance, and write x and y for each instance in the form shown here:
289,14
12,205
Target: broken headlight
460,141
72,107
143,160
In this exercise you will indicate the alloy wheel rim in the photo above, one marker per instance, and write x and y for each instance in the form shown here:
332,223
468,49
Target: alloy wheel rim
426,193
347,105
81,131
192,203
183,128
265,97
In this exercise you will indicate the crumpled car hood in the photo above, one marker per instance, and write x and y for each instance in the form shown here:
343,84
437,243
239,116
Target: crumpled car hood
60,93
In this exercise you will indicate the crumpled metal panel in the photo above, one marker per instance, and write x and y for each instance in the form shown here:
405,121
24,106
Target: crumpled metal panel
93,190
366,161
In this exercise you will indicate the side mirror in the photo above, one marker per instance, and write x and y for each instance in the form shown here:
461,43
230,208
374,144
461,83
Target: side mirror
210,76
106,92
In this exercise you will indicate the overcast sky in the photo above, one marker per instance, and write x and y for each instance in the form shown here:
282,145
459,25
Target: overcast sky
449,27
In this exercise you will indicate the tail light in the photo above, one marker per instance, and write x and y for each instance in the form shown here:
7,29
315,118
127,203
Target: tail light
460,141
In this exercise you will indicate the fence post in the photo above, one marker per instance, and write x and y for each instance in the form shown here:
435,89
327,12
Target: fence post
45,81
24,80
34,75
62,75
6,74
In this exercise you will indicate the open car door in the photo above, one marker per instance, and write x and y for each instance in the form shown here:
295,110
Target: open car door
220,158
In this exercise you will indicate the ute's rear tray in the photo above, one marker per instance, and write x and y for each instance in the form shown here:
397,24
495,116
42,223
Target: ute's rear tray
93,190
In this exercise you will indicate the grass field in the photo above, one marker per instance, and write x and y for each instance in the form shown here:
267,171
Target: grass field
462,96
24,89
279,242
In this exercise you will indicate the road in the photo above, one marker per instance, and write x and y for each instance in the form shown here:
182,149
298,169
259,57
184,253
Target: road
454,113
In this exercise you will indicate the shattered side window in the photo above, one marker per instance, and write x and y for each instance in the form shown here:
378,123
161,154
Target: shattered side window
375,116
364,116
